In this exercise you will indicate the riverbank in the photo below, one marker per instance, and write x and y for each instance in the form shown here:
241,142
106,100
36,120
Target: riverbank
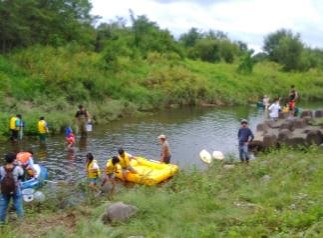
52,81
279,194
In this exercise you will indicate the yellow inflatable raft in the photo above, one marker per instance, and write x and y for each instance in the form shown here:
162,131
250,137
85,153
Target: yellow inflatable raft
149,172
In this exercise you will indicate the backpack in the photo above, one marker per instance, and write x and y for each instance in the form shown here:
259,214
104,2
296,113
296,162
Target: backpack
8,183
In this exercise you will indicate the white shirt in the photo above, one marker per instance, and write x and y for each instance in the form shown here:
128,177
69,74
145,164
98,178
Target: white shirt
274,110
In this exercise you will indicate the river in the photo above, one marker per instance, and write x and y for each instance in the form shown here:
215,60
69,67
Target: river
189,130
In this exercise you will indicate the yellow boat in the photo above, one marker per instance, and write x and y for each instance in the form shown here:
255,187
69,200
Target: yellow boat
149,172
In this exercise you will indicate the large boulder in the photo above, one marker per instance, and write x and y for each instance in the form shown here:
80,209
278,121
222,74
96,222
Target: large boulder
289,125
118,212
307,113
262,127
314,137
296,139
283,115
270,140
283,135
318,114
299,123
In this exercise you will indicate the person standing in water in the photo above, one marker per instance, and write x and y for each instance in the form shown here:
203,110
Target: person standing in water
245,136
82,117
42,129
165,154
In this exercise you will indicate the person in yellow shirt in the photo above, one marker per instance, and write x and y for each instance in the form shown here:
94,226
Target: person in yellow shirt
110,169
124,161
15,126
42,129
93,170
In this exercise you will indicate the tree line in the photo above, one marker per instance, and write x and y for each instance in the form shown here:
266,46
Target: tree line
24,23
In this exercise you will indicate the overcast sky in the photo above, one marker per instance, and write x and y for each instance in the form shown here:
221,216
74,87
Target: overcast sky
245,20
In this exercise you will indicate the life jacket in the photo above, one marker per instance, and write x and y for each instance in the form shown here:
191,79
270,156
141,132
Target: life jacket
70,139
124,161
110,167
8,183
93,173
23,157
42,126
12,124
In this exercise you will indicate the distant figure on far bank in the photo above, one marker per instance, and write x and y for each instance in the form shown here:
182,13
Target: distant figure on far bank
82,117
292,98
274,109
165,154
245,136
15,125
42,129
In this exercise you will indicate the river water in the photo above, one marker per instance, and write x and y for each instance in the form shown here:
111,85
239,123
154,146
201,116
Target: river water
189,130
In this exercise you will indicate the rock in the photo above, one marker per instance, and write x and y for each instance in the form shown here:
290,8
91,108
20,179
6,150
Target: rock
283,135
307,113
269,123
262,127
118,212
283,115
270,140
296,140
266,178
228,166
287,125
314,137
318,114
299,123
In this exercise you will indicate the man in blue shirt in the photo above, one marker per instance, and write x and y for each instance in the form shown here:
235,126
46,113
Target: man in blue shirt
244,136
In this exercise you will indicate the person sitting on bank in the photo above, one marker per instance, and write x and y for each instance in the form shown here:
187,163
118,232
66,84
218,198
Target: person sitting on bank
10,177
14,126
26,161
124,161
165,154
42,129
82,117
93,170
110,170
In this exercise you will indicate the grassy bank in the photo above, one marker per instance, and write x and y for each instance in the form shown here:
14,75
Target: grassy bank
53,81
278,195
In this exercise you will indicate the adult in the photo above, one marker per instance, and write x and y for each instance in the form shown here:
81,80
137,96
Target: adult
93,170
274,109
124,161
165,154
82,117
265,102
15,125
245,136
293,94
10,176
42,129
26,161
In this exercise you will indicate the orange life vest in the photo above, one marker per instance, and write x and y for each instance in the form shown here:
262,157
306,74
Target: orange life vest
23,157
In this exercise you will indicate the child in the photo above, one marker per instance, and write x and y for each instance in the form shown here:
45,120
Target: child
286,108
93,170
70,138
110,169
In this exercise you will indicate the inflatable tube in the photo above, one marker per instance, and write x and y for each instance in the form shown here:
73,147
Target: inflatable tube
38,180
149,172
218,155
205,156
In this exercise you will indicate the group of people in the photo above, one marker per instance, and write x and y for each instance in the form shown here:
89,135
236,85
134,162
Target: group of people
123,159
16,169
289,106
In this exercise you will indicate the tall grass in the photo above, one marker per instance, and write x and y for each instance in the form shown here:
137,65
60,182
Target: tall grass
53,81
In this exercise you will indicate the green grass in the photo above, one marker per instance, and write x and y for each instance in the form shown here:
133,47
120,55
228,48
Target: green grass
277,195
52,81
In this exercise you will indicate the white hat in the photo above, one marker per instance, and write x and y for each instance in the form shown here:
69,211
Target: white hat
162,137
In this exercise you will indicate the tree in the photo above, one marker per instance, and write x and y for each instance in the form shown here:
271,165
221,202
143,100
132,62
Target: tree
285,48
190,38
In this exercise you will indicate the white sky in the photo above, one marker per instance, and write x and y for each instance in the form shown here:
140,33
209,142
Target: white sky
245,20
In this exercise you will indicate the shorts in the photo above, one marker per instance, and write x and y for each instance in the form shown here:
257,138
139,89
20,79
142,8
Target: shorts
166,160
92,180
42,137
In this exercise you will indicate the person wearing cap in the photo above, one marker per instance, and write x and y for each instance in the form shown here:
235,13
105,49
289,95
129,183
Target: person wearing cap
245,136
16,196
124,161
165,154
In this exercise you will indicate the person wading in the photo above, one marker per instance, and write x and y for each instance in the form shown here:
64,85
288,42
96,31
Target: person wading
82,117
165,154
